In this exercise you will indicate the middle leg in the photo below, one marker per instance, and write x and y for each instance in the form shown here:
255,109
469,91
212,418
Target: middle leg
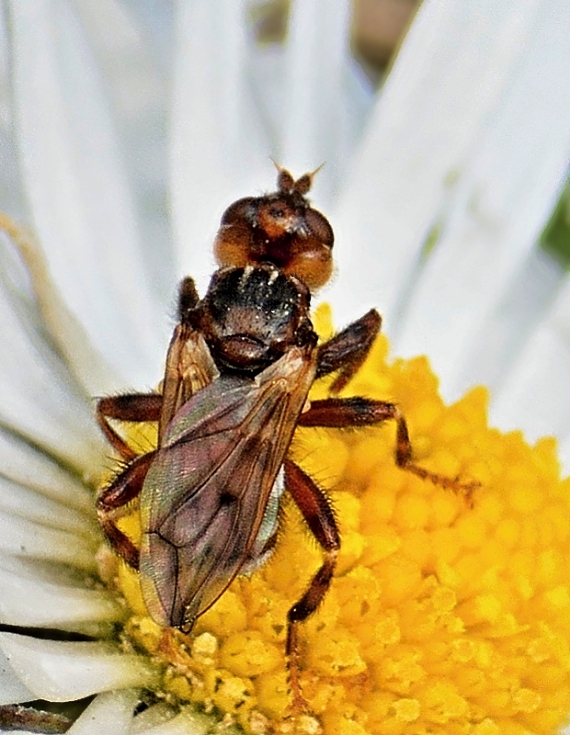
113,502
139,407
353,412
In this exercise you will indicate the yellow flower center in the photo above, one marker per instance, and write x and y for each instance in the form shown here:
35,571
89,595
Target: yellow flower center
443,617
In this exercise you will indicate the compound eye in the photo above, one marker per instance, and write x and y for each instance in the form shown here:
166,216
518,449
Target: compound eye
233,241
319,227
311,252
311,261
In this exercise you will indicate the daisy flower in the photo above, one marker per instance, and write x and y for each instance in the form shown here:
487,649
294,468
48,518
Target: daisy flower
445,616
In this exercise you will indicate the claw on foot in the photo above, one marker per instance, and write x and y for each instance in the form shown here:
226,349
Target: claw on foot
448,483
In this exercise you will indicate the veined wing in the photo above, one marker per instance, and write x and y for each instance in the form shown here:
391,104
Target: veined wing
206,492
189,368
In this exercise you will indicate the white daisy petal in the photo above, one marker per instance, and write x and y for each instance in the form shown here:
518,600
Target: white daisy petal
12,690
64,671
186,723
218,150
317,122
454,66
65,330
23,464
564,454
10,185
534,395
158,20
111,712
48,571
133,46
78,192
39,398
155,715
32,506
524,304
60,606
28,539
41,404
503,199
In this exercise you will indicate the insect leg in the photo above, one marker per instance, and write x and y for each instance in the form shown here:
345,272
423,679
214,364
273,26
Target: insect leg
111,504
317,512
187,299
130,407
352,412
348,349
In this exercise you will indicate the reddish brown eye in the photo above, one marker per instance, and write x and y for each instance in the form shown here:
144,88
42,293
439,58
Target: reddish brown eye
311,261
311,254
320,227
241,211
233,241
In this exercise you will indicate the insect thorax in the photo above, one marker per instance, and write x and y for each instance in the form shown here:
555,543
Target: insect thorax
251,316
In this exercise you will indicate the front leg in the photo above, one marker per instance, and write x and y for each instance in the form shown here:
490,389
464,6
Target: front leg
348,349
352,412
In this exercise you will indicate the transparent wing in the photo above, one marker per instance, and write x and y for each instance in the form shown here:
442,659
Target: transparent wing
189,367
206,493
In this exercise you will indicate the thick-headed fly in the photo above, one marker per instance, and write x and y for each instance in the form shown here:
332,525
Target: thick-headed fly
238,372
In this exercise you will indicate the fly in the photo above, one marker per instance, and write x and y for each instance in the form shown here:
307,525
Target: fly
238,372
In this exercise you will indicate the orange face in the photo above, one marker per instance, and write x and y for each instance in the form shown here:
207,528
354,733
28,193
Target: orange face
281,229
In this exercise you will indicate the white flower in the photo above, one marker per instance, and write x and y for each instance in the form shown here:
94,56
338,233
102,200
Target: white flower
466,149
